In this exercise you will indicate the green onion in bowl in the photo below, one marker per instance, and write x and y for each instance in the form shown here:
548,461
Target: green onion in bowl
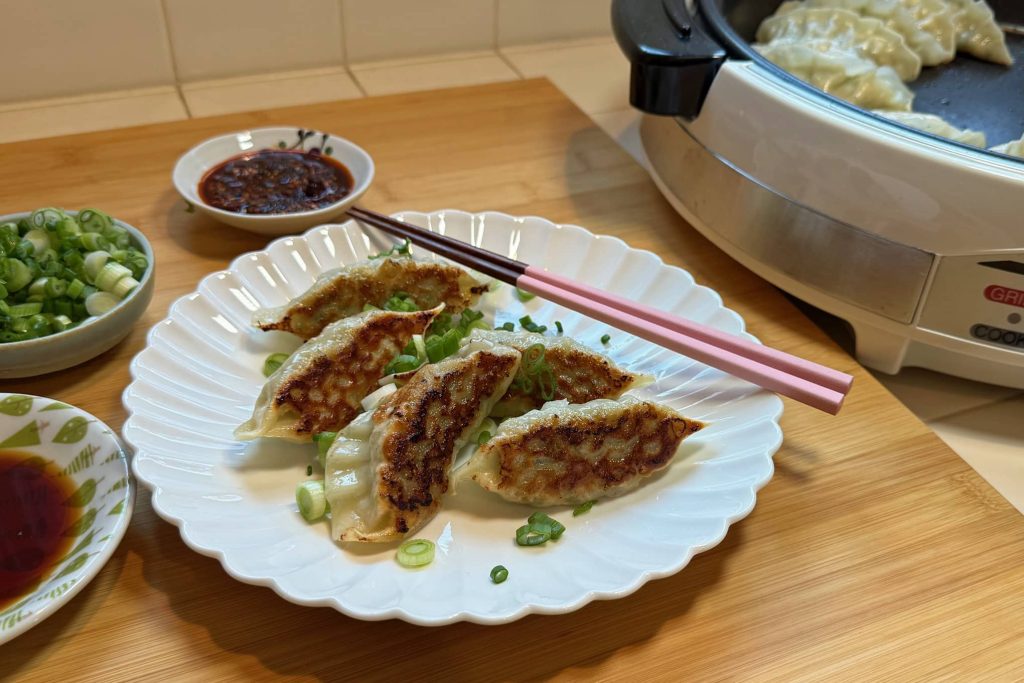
60,305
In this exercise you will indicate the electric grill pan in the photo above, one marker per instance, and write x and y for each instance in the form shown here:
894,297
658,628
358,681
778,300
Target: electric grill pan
913,239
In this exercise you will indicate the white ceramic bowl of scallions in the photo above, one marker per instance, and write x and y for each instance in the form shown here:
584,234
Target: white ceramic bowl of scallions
72,283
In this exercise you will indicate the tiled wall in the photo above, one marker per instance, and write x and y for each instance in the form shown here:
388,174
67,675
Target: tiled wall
72,47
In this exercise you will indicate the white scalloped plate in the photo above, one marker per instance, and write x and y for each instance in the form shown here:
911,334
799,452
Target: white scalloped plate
201,371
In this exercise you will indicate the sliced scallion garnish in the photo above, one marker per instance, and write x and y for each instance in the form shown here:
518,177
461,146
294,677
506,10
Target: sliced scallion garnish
605,338
312,502
524,296
273,362
583,508
415,553
499,574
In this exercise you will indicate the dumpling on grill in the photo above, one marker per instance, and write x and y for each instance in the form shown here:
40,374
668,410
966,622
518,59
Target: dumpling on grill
320,386
385,475
567,454
1014,148
580,374
977,32
926,25
930,123
347,290
842,73
826,28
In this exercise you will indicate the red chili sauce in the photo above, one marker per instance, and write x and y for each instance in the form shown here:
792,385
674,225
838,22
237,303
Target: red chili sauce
33,518
275,181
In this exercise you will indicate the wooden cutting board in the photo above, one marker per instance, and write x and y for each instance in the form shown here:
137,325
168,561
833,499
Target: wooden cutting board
874,553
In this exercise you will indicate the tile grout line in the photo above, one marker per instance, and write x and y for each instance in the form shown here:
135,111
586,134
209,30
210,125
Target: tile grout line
509,64
497,27
344,50
174,64
963,411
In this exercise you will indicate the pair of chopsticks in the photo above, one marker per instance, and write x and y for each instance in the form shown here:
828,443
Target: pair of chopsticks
802,380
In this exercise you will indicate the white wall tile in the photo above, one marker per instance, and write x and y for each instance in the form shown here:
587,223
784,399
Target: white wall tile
86,113
392,29
254,93
593,73
63,47
535,21
389,78
217,38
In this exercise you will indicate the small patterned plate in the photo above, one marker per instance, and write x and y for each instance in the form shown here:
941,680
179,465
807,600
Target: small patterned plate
90,454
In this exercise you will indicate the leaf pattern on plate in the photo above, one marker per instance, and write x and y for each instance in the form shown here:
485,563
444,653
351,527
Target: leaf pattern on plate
73,431
82,545
73,566
117,509
16,404
82,524
83,496
118,485
26,436
56,405
82,460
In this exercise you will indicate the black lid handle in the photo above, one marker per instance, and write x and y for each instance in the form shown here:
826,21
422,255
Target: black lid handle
673,60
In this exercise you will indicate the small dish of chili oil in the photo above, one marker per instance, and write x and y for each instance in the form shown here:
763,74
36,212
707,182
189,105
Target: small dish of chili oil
34,518
275,181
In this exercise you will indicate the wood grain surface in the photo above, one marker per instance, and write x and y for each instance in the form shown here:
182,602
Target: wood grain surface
875,553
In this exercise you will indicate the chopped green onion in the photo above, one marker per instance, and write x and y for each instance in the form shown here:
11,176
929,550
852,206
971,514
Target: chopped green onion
110,275
93,241
273,362
524,296
94,220
25,310
75,288
539,529
402,363
508,327
94,263
99,303
323,441
558,326
40,240
527,324
499,574
397,250
312,502
527,535
416,553
420,346
483,437
606,338
400,301
18,274
124,287
583,508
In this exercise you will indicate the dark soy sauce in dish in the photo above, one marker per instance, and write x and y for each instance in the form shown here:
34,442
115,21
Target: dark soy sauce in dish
34,516
275,181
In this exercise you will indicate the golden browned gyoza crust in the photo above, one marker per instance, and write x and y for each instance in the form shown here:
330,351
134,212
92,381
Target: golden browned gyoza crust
582,374
320,386
566,454
417,433
346,291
